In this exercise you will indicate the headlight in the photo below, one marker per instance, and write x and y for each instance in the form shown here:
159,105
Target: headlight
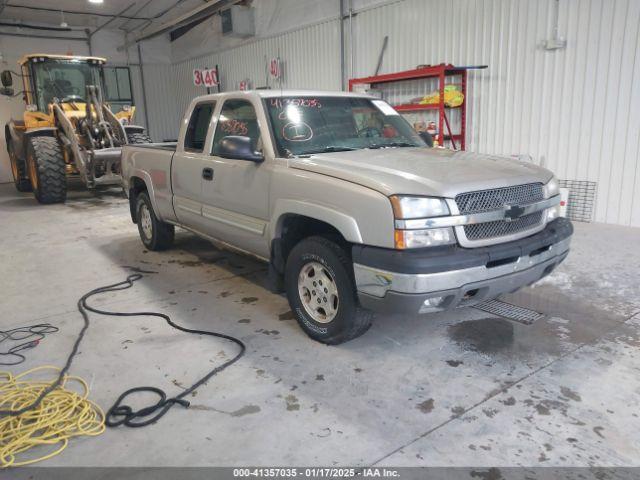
429,237
418,207
552,188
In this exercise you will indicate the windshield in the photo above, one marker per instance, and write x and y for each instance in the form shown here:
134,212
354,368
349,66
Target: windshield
63,78
306,125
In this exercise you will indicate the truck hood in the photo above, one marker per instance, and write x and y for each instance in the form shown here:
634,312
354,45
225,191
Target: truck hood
423,171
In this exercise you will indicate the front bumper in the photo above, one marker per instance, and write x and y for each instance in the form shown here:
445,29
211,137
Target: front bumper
442,278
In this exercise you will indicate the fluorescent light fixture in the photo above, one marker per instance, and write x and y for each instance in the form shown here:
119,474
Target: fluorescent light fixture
96,1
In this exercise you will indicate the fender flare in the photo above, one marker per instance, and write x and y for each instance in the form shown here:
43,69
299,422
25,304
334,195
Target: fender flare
345,224
41,132
11,135
146,178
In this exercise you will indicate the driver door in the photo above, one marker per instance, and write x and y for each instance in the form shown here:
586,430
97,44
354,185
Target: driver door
235,198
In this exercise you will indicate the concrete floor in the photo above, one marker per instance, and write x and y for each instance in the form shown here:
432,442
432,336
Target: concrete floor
454,389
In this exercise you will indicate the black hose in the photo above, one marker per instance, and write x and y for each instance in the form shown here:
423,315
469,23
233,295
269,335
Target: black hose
119,413
30,337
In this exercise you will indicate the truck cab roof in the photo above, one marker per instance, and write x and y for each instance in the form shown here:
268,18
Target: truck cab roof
277,93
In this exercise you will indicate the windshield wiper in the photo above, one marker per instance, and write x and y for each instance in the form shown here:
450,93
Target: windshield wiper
330,148
391,144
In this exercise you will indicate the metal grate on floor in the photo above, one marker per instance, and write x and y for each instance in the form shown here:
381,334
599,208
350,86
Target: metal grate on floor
582,198
506,310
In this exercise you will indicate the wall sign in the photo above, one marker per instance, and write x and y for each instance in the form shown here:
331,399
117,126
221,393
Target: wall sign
205,77
275,67
244,85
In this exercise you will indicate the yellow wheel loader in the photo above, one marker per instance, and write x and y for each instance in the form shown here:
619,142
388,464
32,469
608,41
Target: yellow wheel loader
67,129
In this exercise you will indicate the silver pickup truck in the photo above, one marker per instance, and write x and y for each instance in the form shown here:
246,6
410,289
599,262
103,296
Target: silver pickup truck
349,207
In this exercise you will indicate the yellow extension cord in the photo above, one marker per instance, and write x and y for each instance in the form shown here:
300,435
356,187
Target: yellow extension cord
63,414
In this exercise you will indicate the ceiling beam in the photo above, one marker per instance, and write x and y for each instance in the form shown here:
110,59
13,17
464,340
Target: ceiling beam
119,15
70,12
144,5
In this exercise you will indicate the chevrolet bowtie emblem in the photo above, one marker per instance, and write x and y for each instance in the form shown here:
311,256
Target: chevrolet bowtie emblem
513,212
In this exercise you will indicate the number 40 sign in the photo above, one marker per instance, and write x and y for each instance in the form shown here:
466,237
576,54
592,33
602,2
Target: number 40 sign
205,77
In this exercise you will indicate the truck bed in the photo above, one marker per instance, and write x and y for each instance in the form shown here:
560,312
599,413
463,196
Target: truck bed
169,146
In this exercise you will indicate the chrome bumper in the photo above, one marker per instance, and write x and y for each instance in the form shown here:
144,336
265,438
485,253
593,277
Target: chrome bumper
430,292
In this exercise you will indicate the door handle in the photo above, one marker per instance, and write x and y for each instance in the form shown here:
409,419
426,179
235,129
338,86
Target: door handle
207,173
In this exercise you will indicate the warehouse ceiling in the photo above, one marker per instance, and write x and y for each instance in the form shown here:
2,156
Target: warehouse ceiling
130,15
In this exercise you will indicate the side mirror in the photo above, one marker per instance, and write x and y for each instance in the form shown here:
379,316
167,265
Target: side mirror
6,79
239,148
6,91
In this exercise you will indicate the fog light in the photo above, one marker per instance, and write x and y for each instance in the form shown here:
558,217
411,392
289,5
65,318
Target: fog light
431,303
553,213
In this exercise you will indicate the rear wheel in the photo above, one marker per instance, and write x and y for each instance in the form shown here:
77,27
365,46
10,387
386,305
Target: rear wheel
138,138
321,291
47,170
18,169
154,233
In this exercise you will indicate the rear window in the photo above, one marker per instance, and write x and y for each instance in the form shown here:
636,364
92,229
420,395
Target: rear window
198,127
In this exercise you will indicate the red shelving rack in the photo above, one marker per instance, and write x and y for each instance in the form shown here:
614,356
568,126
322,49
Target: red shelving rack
441,72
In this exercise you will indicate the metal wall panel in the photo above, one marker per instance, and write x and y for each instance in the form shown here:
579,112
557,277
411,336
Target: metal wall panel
574,110
311,61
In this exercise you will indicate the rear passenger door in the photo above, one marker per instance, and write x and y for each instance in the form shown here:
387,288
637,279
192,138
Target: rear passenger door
188,166
235,202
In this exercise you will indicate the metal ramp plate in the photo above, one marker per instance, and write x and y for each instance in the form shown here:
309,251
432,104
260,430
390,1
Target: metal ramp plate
506,310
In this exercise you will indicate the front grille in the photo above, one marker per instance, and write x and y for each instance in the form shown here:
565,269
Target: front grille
495,199
484,200
500,228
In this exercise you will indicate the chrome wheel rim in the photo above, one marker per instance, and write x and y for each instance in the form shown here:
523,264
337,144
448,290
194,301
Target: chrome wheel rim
318,292
145,222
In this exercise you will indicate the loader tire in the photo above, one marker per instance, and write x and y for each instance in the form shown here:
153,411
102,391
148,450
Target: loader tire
138,138
18,169
47,169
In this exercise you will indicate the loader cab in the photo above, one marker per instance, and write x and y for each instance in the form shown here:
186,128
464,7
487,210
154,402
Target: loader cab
47,78
63,79
50,78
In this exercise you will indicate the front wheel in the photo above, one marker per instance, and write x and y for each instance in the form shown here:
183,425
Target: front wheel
321,291
138,138
47,169
154,233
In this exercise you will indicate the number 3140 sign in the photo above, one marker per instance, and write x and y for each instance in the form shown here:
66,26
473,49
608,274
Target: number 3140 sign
205,77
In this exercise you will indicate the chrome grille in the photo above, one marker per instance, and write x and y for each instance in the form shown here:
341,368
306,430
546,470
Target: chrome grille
484,200
500,228
495,199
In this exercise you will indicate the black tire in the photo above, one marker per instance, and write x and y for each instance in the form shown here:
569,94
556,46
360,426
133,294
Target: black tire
159,235
18,169
47,170
350,320
138,138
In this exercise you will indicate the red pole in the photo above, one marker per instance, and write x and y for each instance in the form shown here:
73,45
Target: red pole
441,108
